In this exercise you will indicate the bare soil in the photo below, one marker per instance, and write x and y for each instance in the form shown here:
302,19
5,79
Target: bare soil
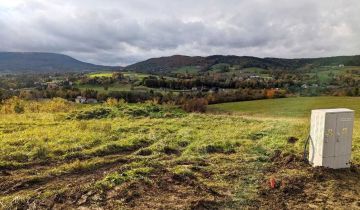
300,186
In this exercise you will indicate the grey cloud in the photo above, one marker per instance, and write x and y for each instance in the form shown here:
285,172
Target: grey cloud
122,32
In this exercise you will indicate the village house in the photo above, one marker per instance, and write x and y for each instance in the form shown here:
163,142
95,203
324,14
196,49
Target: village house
80,100
305,86
84,100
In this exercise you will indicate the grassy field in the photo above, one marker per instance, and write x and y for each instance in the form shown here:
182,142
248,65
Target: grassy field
145,156
326,73
289,107
122,87
133,75
100,74
187,70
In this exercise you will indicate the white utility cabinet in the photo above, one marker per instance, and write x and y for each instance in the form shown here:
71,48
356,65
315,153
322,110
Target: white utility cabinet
331,137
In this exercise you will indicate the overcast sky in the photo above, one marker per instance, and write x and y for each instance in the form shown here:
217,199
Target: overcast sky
120,32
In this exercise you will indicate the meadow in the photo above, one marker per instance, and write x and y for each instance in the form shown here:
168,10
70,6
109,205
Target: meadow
147,156
298,107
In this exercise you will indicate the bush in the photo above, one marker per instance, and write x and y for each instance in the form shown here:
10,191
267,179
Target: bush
57,105
150,110
13,105
93,113
112,102
195,105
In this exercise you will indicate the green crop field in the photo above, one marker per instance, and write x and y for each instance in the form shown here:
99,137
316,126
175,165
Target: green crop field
100,74
145,156
135,75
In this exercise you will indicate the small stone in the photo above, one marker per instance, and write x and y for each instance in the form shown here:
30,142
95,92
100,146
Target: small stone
96,197
318,200
313,206
82,200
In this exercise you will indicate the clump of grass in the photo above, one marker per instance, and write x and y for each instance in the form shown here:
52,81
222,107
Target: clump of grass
73,155
18,202
7,165
113,148
17,156
218,147
92,113
76,167
182,172
41,152
257,135
150,110
117,178
82,125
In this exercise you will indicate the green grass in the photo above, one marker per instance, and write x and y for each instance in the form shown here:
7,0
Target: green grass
100,74
258,71
135,146
220,67
289,107
116,87
187,70
297,110
326,73
135,75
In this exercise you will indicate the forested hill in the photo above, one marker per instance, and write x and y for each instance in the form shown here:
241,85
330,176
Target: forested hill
168,64
14,62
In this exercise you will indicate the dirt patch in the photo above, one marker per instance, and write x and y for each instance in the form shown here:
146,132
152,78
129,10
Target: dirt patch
292,140
289,183
162,189
167,191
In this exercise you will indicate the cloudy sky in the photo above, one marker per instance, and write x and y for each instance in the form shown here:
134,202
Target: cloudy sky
120,32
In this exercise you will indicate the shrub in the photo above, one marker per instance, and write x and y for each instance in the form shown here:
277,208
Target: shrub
150,110
112,102
93,113
195,105
13,105
57,105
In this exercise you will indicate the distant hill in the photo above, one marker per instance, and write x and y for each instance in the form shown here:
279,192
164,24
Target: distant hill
44,62
168,64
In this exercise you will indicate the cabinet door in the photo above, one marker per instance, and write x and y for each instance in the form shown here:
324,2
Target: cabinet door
329,135
344,130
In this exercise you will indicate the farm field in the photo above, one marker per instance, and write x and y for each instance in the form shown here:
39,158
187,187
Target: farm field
100,89
100,74
325,73
298,107
146,156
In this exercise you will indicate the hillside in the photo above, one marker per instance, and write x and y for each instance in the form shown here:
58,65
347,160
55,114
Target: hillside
146,156
43,62
173,63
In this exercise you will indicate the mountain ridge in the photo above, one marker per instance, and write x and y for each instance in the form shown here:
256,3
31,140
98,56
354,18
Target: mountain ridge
169,63
43,62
